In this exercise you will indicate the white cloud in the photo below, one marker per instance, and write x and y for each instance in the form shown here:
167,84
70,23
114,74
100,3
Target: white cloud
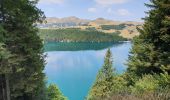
93,10
110,2
120,12
51,1
123,12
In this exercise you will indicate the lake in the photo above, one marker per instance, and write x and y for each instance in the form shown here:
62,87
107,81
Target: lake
73,66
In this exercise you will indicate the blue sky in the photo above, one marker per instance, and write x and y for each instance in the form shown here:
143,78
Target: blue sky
121,10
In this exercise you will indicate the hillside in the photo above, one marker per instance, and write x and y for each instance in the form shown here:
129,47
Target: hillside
107,26
78,35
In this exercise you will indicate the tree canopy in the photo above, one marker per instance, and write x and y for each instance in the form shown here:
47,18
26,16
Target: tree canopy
54,93
20,39
102,87
148,73
151,50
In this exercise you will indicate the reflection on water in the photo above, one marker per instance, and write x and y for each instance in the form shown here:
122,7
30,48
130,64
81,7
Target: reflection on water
65,46
74,71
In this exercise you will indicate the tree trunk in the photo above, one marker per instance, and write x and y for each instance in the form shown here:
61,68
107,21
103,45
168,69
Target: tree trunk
4,81
3,95
7,87
1,88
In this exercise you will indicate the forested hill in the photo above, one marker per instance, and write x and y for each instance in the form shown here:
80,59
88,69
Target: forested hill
127,29
78,35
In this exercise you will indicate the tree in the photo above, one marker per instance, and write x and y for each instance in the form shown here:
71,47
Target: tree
104,80
18,19
151,50
54,93
6,61
106,72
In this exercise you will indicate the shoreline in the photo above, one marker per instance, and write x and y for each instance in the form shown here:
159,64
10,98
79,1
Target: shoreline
87,41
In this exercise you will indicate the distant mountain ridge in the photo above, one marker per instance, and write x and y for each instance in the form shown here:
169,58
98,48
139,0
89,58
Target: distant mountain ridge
128,31
75,21
71,19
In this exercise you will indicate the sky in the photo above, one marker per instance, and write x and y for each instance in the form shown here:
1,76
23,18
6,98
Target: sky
119,10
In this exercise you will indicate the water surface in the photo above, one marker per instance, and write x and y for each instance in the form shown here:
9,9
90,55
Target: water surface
73,66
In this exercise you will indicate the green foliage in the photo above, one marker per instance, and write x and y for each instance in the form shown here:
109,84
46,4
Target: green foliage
100,90
77,35
20,39
103,84
120,85
54,93
147,83
161,95
150,55
149,87
148,73
6,60
164,80
5,55
106,71
91,28
116,27
151,50
41,92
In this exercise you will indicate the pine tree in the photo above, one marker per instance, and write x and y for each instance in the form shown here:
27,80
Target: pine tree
6,61
106,72
18,18
4,70
54,93
104,80
151,50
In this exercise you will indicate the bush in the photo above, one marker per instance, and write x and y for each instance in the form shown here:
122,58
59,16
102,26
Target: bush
164,80
146,84
120,85
99,91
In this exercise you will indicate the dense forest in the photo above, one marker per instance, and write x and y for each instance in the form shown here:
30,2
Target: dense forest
115,27
78,35
148,73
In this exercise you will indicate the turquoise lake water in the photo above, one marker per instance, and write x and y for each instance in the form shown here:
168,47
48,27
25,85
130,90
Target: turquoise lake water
73,66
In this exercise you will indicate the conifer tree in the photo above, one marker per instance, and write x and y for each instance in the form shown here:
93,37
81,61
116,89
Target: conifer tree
104,80
18,18
54,93
106,72
151,50
6,61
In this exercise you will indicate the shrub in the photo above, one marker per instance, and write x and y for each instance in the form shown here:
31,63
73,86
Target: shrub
146,84
120,85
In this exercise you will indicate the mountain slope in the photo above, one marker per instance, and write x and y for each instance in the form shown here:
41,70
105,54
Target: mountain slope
126,29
